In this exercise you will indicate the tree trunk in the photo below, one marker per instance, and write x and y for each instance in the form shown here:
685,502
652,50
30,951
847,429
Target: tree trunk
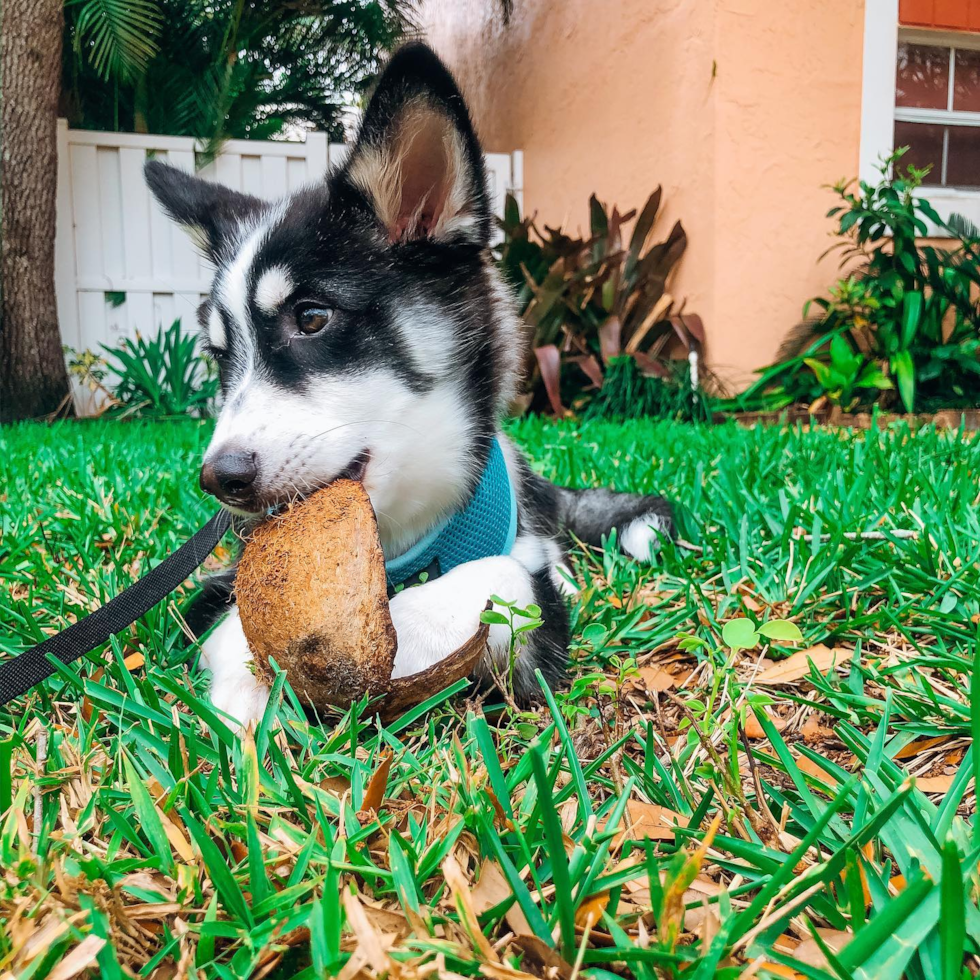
33,379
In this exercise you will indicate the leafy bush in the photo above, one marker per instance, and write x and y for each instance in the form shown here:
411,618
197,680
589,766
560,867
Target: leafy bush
901,329
162,377
588,302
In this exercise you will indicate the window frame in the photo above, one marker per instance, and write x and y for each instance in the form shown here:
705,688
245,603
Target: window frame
951,41
879,112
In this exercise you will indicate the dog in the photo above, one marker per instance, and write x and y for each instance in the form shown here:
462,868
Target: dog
361,330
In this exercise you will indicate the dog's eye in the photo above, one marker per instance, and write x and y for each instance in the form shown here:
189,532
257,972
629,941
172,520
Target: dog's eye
312,319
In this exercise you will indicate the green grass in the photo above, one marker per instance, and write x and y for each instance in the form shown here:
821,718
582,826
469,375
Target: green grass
497,841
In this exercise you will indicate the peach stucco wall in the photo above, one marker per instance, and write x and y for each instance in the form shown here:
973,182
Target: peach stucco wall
742,109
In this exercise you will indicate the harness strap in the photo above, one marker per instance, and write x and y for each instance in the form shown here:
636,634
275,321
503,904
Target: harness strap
485,527
29,668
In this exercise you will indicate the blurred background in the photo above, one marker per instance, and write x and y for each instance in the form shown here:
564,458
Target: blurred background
721,128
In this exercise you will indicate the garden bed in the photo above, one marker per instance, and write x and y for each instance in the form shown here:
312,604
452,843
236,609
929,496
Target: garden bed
952,418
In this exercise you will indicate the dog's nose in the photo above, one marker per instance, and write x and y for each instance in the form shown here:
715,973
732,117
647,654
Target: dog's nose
230,476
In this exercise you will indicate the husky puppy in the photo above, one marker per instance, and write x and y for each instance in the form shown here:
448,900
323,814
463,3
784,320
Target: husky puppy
361,330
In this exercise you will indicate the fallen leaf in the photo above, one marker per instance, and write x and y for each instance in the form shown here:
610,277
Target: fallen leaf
649,821
79,959
779,970
753,727
541,955
811,954
495,971
492,889
797,666
134,661
702,914
658,677
385,921
463,899
335,785
813,731
934,784
590,911
919,745
370,942
375,792
172,825
811,768
500,816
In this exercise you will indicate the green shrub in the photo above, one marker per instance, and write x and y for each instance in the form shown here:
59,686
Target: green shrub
902,329
590,302
627,393
162,377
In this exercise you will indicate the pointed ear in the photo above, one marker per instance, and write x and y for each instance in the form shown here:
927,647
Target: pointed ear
417,159
211,213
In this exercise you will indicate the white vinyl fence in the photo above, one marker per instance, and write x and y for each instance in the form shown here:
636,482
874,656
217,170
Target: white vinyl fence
122,266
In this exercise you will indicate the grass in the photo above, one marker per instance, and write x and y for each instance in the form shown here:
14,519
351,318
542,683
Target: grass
704,801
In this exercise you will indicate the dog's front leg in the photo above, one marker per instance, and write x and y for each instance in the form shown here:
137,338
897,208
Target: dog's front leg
434,619
235,689
431,621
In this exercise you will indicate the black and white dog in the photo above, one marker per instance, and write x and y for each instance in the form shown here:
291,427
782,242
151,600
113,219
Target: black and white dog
361,330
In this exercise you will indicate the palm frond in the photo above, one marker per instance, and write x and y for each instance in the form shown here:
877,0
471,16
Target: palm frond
119,37
962,227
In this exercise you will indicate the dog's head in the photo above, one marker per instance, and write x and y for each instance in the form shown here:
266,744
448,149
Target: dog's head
358,325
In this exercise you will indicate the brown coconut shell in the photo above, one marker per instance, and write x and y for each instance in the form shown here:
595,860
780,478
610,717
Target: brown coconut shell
312,594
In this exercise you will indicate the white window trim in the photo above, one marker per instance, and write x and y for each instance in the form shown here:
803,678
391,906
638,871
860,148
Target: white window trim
878,89
881,33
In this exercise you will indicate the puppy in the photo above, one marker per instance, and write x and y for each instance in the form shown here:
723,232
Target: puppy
361,330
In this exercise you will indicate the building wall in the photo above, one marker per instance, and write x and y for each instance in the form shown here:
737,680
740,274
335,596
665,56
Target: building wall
742,109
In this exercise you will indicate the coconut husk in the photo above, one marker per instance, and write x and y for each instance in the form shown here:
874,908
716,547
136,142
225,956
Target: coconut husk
406,692
312,594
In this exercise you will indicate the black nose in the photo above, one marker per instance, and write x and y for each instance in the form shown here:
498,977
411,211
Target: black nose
230,476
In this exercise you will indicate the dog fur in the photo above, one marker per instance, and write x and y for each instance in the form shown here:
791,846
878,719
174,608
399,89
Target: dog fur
360,328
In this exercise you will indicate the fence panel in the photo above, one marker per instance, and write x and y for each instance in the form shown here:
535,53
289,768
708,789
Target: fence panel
122,266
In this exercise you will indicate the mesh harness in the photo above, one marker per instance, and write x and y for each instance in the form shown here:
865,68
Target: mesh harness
487,526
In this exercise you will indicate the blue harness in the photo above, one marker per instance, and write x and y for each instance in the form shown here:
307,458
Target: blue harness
487,526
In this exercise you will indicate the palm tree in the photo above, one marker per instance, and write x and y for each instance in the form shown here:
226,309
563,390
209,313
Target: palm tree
224,68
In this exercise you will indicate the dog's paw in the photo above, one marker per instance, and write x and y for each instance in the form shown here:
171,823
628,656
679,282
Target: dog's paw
641,538
235,691
434,619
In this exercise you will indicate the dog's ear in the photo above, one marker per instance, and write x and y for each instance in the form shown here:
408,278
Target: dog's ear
213,214
417,159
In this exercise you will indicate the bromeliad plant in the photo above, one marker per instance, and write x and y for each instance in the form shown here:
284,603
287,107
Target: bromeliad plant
588,302
903,329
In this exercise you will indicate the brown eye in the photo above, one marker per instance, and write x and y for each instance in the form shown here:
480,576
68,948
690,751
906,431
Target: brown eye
312,319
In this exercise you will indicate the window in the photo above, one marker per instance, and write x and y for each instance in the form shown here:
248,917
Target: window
937,107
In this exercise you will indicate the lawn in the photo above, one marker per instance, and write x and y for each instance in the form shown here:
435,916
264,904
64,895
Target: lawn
702,802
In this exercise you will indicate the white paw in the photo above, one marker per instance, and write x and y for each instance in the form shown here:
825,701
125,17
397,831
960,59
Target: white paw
234,688
434,619
641,538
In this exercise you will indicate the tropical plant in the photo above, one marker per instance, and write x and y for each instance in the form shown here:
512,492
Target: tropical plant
628,393
164,377
223,68
589,301
903,327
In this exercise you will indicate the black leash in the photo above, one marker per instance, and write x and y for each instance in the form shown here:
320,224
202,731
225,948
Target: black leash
20,674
